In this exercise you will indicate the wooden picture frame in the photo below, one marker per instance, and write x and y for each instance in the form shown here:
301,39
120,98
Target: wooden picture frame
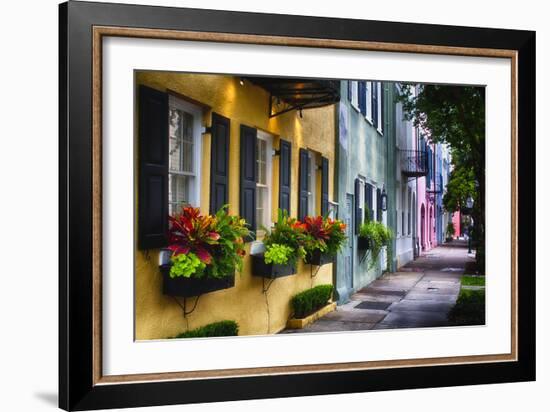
81,30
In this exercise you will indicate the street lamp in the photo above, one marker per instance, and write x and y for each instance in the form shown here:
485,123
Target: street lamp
470,205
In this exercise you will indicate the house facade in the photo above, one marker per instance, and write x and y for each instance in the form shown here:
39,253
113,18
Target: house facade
432,217
212,140
260,145
363,158
407,170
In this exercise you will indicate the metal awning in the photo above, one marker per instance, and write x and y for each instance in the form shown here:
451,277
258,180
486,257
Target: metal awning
287,94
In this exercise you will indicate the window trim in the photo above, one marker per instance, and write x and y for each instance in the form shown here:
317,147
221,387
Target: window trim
379,127
368,97
372,184
362,203
355,95
268,138
178,103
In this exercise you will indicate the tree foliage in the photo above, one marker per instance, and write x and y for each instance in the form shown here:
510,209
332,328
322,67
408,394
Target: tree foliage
455,115
452,114
460,186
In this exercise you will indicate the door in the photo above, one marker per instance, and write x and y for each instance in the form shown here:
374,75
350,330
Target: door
348,248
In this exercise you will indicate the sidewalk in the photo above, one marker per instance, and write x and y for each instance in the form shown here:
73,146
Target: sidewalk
419,295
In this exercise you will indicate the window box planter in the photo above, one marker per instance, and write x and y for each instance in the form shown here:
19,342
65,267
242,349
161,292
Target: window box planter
363,243
270,270
318,258
188,287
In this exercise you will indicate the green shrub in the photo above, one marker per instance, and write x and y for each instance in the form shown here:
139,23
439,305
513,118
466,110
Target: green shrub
472,280
308,301
222,328
469,308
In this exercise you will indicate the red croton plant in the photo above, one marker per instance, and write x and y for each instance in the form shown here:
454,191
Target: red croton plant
217,242
191,231
326,234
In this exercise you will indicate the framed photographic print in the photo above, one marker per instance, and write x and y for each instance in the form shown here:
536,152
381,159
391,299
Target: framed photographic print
259,205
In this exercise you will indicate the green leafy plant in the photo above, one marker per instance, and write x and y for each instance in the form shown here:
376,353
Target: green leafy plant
378,235
287,232
324,234
222,328
308,301
450,231
278,254
216,241
187,265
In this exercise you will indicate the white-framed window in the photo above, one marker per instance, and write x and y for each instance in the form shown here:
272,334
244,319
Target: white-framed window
185,120
355,94
263,181
368,92
312,177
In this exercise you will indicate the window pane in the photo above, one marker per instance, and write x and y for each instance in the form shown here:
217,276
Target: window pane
187,138
179,191
312,176
260,203
175,139
181,141
261,162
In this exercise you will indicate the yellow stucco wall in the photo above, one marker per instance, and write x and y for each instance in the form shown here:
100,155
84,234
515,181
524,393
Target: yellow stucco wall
159,316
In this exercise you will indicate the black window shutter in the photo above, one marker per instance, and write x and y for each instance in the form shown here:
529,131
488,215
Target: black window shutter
349,91
153,169
285,161
324,186
357,206
374,110
248,176
378,205
362,99
219,162
303,190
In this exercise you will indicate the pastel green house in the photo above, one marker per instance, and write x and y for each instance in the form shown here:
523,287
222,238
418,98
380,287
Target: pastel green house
365,156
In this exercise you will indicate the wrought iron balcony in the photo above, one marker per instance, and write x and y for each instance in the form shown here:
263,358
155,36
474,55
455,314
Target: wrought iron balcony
414,163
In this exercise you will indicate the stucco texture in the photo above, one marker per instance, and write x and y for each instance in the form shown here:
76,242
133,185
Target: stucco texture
158,316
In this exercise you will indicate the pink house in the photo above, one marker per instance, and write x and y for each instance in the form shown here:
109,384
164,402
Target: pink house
426,223
426,218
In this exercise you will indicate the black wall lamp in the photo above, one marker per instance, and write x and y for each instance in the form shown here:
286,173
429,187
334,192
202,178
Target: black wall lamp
384,199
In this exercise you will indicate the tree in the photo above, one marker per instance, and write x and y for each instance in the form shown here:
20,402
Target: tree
460,186
455,115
